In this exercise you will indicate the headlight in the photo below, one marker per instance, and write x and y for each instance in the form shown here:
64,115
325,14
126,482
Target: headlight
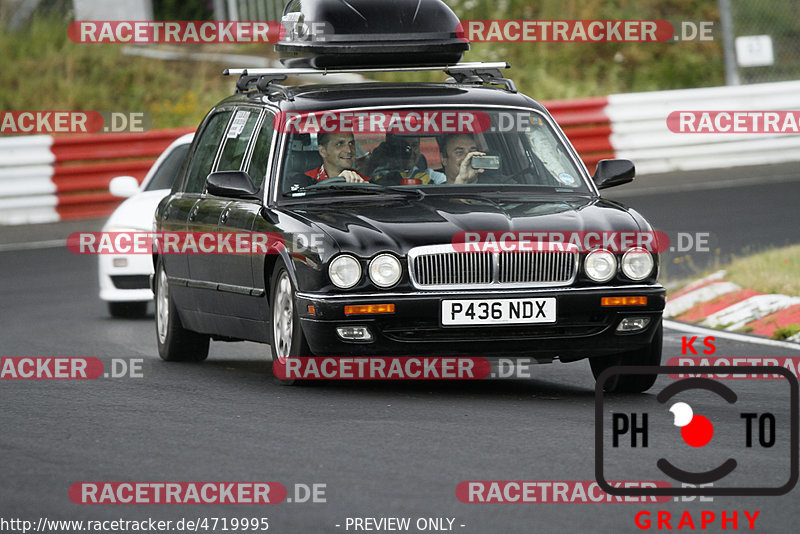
637,264
385,270
345,271
600,265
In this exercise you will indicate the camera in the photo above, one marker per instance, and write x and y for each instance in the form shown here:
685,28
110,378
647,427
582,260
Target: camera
485,162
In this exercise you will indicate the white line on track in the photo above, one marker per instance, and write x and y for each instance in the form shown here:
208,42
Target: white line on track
53,243
682,327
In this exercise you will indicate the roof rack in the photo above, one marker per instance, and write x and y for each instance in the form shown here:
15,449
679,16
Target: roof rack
462,73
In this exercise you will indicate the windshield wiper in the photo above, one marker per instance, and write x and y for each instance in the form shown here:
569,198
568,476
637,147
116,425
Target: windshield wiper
358,188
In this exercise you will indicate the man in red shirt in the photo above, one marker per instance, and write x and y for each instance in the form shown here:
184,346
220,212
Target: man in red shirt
338,151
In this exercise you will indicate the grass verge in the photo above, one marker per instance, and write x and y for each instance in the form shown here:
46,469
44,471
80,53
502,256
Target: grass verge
772,271
775,270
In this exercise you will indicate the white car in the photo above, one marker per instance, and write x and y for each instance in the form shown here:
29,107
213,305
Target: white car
125,278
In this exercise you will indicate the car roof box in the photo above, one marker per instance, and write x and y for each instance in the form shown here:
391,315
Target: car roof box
330,34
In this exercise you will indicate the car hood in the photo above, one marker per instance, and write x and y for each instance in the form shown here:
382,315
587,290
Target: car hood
137,212
367,227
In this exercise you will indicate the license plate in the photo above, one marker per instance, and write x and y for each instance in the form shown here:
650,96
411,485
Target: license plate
498,311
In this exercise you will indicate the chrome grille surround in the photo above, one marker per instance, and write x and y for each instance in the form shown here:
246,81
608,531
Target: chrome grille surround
443,267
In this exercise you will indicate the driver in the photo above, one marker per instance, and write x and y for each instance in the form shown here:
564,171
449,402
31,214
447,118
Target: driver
338,151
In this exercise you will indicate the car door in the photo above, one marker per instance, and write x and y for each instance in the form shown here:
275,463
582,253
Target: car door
205,268
221,274
240,298
182,207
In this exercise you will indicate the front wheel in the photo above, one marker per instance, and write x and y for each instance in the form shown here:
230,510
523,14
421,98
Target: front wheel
286,335
649,355
175,343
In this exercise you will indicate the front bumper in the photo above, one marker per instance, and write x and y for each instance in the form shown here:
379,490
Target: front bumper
128,283
583,327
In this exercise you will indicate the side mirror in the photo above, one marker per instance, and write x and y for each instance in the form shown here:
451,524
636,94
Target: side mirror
613,172
123,186
233,184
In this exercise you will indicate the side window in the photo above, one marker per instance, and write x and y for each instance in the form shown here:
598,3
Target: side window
166,173
206,150
260,160
237,139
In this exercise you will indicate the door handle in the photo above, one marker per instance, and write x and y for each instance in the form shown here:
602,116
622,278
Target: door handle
193,212
224,217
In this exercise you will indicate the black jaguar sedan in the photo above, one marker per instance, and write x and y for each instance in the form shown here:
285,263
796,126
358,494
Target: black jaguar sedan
404,219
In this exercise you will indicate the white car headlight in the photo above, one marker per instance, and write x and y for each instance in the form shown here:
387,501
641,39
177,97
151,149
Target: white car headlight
600,265
637,264
385,270
345,271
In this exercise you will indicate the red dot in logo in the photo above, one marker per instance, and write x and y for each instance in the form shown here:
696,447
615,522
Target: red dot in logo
698,432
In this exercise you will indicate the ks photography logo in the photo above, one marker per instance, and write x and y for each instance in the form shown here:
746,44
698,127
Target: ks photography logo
740,437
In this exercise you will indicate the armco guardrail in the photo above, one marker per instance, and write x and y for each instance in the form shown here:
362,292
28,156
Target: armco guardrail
588,126
44,178
640,132
51,178
634,126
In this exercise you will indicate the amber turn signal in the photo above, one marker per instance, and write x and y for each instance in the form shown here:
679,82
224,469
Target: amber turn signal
623,301
366,309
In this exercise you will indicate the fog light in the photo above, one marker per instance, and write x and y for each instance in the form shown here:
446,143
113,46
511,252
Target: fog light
120,262
632,324
354,333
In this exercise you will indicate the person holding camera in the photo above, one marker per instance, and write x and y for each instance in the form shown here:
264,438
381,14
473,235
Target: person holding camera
456,152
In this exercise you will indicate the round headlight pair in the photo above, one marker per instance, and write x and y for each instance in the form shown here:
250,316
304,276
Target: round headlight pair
601,265
384,271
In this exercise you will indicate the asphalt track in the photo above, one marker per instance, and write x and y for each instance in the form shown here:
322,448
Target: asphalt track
383,449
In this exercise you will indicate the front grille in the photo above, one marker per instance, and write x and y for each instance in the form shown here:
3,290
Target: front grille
453,268
442,267
537,267
131,281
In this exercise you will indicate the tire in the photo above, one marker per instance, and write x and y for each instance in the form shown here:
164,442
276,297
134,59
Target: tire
286,338
128,310
175,343
649,355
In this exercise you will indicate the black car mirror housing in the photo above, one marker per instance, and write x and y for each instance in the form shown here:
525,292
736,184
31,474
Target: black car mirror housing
613,172
233,184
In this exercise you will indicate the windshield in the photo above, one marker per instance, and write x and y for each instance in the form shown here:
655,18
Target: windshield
427,149
168,170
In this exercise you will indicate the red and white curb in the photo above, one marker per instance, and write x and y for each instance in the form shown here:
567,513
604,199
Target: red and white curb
46,178
717,303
